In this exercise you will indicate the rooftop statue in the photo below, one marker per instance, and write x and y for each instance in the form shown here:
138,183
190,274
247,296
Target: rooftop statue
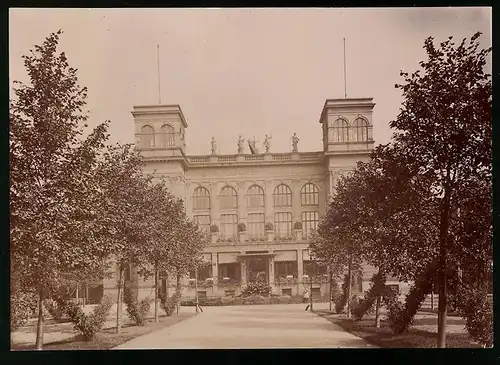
295,143
214,146
267,143
241,144
253,149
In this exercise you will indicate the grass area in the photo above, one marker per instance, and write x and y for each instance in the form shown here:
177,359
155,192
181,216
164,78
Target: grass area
104,340
384,337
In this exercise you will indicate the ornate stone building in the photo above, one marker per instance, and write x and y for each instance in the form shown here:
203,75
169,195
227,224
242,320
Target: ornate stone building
257,209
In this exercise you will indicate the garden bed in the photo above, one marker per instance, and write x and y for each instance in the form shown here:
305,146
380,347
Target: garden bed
62,336
251,300
422,334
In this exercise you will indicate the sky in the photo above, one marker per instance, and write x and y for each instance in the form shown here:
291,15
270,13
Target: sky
240,71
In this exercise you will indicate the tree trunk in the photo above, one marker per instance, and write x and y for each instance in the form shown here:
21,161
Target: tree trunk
377,311
331,291
379,298
119,301
41,322
349,274
443,237
178,290
156,295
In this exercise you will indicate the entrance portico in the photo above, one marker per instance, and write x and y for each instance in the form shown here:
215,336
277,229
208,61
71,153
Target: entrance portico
256,266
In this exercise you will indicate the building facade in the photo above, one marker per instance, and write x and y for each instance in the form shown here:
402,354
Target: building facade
258,209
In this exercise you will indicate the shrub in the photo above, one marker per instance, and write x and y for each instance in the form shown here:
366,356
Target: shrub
242,227
365,305
55,310
214,228
22,306
342,299
297,225
254,299
401,316
137,312
256,288
477,311
89,325
168,304
269,226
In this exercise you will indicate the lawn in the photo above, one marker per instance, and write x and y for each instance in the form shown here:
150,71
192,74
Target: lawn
106,339
422,334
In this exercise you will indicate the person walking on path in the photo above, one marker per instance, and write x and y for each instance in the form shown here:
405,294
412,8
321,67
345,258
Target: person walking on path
305,298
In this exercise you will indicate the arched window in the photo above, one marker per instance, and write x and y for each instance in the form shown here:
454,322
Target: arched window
228,198
309,194
167,136
255,197
338,131
282,196
201,199
360,130
147,137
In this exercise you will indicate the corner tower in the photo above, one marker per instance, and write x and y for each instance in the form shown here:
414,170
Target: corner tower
347,135
160,137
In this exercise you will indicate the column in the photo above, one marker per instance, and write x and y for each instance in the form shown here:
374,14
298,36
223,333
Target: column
243,271
269,204
214,204
271,272
300,270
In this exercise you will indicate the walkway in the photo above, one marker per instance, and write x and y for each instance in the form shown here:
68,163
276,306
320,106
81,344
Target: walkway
250,327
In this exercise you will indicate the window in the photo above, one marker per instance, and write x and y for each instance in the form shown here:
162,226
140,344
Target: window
255,197
282,269
360,129
228,198
201,199
229,272
283,224
256,225
286,291
316,293
204,271
229,225
147,137
203,222
394,288
312,268
309,222
282,196
167,136
309,194
338,131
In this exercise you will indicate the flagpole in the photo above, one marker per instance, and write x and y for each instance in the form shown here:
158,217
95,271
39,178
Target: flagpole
345,77
158,62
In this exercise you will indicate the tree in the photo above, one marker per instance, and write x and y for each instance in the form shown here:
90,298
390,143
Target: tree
125,210
165,219
52,187
445,128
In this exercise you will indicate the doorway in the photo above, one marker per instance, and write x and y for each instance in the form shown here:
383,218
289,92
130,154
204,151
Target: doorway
258,269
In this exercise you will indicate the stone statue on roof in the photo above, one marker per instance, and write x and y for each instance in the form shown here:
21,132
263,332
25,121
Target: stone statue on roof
252,146
241,144
214,146
267,143
295,143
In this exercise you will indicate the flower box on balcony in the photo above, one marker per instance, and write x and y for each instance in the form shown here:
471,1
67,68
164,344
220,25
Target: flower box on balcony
270,235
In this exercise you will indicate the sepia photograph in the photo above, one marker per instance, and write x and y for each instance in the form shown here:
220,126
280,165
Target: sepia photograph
250,178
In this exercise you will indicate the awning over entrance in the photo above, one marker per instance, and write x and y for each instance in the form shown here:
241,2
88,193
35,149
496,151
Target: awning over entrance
227,257
286,255
243,255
